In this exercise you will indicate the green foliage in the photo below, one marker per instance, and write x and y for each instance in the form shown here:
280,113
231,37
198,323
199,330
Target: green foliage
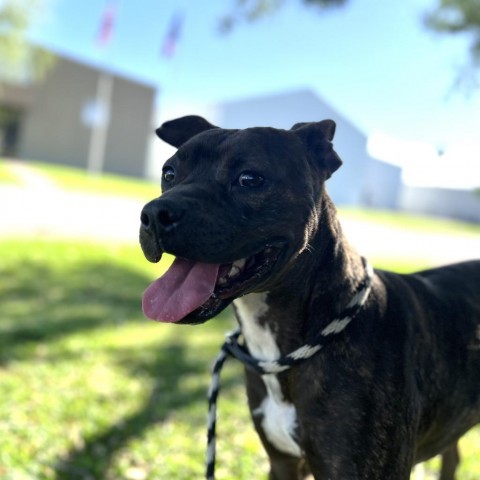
19,60
252,10
460,17
448,16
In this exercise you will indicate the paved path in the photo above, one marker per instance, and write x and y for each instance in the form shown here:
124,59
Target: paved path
38,207
380,241
68,214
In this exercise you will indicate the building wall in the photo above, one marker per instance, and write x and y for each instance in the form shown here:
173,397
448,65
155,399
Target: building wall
459,204
346,186
131,128
54,127
17,96
383,184
361,180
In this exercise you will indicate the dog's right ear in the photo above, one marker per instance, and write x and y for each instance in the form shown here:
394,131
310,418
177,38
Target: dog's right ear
177,132
318,136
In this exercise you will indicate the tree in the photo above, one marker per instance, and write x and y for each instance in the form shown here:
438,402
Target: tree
251,10
460,17
19,60
449,16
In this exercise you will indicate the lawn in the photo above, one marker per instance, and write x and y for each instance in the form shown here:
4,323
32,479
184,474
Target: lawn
6,174
77,179
91,389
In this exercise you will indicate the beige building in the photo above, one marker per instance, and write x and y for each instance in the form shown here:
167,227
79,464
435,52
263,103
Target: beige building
53,120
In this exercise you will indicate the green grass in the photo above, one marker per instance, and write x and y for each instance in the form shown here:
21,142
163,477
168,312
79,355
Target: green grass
77,179
6,175
91,389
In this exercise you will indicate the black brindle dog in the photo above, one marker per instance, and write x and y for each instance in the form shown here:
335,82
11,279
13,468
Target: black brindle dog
247,216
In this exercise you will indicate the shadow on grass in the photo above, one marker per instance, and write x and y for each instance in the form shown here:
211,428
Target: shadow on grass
94,457
165,370
42,304
45,301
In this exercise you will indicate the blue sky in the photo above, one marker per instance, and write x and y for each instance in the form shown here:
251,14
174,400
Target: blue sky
372,60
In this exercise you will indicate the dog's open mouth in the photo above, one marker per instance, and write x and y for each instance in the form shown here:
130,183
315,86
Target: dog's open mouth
201,290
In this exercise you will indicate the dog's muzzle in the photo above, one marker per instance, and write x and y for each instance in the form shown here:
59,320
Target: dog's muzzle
158,217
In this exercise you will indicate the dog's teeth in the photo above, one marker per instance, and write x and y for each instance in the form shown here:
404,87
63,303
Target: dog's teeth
240,263
222,281
234,271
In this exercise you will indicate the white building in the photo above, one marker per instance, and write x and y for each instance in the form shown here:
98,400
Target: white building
442,202
361,180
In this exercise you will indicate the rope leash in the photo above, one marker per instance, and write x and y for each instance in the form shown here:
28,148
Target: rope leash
234,347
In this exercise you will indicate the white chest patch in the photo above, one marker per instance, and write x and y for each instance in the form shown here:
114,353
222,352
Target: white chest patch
279,416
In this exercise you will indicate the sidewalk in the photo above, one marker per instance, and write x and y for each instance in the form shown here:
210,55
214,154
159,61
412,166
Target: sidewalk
39,208
380,241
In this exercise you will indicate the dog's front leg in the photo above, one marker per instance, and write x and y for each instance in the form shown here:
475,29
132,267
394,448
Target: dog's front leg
283,466
450,461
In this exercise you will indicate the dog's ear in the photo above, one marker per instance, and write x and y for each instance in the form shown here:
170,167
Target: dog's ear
317,136
325,128
177,132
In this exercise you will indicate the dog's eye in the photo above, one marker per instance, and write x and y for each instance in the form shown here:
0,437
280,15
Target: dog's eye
168,174
250,180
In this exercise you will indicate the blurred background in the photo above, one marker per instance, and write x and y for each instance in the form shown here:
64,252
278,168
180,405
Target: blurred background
92,390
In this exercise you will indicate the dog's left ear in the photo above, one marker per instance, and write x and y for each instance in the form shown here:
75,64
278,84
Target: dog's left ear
177,132
317,136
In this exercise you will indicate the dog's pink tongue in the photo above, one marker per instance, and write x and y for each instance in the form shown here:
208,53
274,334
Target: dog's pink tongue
182,289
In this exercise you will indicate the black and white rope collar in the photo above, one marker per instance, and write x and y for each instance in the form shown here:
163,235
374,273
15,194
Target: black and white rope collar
234,347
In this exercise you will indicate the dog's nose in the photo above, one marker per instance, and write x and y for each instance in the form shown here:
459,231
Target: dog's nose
160,214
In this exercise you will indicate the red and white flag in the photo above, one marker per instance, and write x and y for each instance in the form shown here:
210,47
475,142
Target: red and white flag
105,31
174,32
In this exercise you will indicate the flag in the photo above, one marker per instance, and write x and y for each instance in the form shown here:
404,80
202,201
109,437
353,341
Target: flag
105,31
172,36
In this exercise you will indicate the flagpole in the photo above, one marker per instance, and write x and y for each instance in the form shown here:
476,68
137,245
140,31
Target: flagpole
101,108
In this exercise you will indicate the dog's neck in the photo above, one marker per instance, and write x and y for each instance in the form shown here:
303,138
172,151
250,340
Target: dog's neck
323,280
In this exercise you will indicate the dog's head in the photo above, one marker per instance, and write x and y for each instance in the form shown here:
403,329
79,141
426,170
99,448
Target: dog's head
238,207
